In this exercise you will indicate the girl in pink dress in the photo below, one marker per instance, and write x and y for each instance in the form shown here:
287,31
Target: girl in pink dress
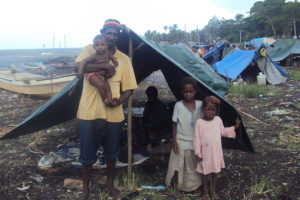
207,144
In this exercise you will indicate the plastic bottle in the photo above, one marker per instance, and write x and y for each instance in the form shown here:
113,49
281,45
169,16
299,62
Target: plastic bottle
261,79
159,187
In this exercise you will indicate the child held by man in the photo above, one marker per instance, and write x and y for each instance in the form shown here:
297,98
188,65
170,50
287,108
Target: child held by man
105,71
208,146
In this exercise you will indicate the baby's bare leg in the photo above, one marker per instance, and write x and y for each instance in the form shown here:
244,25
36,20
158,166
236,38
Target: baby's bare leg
107,89
98,82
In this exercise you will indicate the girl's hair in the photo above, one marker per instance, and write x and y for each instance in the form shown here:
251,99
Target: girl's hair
97,37
188,80
208,101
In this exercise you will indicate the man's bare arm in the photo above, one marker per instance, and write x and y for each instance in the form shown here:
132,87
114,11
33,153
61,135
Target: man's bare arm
93,67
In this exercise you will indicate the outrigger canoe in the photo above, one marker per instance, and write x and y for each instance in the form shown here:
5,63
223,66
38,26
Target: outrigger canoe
33,84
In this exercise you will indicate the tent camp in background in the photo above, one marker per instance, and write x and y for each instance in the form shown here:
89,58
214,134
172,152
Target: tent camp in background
208,57
285,51
248,64
174,61
258,42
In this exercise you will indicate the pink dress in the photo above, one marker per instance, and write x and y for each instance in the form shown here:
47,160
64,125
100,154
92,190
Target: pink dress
208,146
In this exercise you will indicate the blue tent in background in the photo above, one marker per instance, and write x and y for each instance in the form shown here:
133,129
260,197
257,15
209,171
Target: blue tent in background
233,65
248,63
208,57
258,42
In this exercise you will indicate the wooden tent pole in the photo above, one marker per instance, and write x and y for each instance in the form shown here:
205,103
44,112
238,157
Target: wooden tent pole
129,123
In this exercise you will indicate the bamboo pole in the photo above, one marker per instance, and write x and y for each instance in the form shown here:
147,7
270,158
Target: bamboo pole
240,85
129,123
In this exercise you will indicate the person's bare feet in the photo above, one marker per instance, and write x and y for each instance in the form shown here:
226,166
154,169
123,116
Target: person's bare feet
215,196
85,195
177,194
112,191
197,192
206,196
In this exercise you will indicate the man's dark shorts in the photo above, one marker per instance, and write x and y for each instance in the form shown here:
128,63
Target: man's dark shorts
94,133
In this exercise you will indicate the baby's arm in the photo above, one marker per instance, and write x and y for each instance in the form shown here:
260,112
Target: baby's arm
83,64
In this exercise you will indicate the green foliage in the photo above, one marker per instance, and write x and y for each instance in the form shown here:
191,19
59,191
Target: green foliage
249,90
264,188
267,18
294,75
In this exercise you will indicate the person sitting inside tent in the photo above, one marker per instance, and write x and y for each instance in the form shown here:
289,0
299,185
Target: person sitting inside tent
215,55
156,117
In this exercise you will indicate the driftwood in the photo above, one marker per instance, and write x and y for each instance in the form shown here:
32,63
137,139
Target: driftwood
248,115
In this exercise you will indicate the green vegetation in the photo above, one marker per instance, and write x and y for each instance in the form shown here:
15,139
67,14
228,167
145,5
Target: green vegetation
294,75
267,18
264,188
252,90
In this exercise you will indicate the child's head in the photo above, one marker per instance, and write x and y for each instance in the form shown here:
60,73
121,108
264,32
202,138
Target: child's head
100,44
210,108
151,93
188,88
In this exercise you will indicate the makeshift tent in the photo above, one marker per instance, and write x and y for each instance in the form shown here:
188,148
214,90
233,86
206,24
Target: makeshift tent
249,63
283,48
174,61
208,57
257,42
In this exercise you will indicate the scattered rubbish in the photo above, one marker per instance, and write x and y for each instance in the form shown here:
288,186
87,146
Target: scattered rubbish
73,184
37,178
278,112
131,195
158,187
48,170
49,159
23,188
100,180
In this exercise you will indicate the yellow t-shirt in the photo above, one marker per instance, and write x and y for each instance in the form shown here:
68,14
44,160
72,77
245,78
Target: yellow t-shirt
91,105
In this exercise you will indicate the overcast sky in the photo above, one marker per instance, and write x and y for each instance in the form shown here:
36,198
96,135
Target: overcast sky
27,24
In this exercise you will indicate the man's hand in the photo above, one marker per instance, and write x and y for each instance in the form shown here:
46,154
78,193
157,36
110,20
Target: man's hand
79,73
175,147
114,102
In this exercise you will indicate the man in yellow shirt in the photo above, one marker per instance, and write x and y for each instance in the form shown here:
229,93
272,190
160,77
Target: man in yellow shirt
100,124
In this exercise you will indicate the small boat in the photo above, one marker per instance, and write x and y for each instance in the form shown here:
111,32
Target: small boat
34,67
33,84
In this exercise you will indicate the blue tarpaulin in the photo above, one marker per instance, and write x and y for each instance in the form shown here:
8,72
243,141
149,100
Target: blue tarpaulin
232,65
208,56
